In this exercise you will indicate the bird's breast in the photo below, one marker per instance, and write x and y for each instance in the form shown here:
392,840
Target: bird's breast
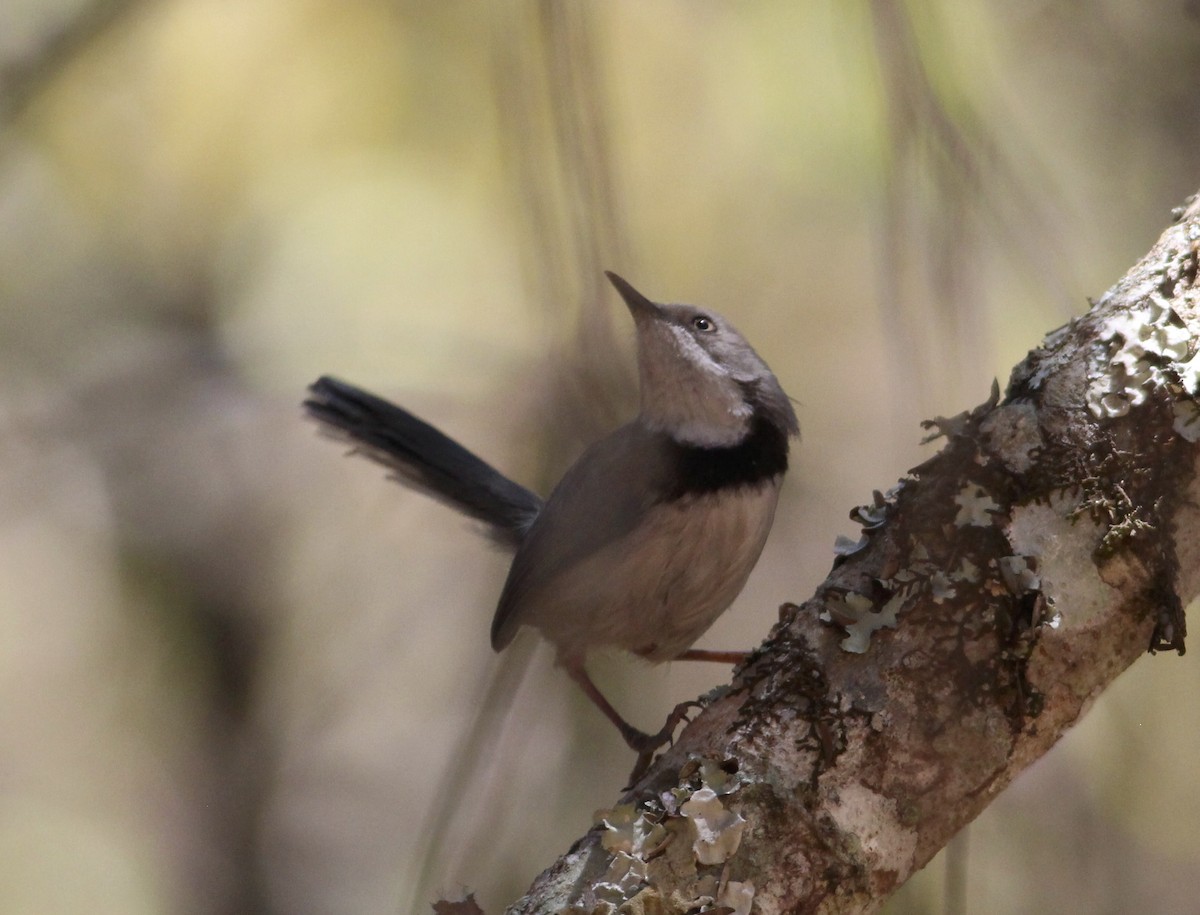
657,589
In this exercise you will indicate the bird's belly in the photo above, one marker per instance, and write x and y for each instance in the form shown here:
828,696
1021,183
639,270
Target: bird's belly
657,590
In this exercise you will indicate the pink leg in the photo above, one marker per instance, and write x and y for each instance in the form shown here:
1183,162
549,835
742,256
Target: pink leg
721,657
644,744
636,739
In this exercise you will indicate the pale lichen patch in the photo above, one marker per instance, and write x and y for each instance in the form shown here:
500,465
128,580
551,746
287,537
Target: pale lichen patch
1142,349
941,587
625,876
739,897
716,831
1187,420
1013,435
671,839
628,830
856,614
975,507
1020,574
873,819
1068,577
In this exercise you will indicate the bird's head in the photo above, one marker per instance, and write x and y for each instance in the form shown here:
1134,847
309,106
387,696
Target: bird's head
701,382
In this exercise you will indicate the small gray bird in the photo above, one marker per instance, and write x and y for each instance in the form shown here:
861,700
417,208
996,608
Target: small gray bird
652,533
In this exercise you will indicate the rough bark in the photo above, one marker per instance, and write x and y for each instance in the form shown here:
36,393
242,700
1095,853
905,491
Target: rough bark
996,591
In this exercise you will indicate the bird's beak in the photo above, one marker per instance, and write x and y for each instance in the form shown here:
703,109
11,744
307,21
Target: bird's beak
638,303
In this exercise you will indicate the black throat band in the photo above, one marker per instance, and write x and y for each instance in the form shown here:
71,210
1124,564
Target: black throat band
758,458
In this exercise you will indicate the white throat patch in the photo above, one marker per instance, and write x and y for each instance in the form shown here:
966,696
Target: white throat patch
704,434
689,394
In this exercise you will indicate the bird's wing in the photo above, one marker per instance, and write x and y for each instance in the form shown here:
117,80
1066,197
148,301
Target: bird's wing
603,497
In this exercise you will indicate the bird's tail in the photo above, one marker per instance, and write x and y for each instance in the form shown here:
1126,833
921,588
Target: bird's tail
424,458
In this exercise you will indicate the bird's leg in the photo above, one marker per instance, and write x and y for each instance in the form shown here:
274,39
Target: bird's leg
721,657
644,744
636,739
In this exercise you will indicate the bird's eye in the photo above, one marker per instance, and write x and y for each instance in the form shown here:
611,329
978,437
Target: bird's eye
703,324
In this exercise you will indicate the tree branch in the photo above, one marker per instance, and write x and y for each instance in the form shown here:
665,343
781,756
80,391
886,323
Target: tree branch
996,591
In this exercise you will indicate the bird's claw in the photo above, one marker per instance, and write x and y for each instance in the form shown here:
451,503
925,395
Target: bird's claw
649,744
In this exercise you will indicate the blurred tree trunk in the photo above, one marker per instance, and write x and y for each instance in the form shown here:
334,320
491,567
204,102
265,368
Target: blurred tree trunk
996,591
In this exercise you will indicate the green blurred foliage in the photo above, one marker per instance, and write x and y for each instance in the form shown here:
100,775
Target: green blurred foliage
234,669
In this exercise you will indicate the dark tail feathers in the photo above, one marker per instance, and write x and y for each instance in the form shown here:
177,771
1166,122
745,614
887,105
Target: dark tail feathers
424,458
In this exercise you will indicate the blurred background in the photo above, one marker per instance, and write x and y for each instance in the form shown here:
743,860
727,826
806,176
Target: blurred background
240,672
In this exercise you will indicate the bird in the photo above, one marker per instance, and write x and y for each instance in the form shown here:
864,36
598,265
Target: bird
651,534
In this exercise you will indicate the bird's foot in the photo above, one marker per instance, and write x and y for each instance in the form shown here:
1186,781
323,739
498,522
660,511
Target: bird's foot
647,745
